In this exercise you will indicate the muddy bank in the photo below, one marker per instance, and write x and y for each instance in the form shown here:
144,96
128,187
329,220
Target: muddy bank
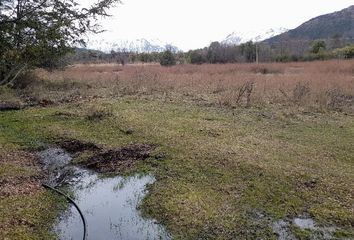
119,159
103,160
75,146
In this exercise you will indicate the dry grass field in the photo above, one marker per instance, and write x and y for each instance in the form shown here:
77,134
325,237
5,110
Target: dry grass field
241,146
317,85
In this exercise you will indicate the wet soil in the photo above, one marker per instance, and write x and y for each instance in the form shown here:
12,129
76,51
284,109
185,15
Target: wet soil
107,160
9,106
119,159
75,146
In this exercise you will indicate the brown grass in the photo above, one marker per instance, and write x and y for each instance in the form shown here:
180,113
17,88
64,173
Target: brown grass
320,85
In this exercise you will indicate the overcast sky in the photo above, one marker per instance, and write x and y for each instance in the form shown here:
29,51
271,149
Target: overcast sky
191,24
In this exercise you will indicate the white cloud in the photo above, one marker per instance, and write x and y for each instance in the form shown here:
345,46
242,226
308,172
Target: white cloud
195,23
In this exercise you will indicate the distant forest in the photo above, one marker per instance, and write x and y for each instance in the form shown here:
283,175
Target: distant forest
282,51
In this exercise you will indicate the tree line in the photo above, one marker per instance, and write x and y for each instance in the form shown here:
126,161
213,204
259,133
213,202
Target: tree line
218,53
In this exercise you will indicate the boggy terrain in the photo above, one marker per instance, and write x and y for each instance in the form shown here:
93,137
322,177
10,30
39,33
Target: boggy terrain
238,151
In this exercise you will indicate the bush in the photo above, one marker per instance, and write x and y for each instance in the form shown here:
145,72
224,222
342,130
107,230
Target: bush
167,59
318,46
347,52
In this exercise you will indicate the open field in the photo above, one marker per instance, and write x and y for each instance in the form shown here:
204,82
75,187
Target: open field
241,146
318,85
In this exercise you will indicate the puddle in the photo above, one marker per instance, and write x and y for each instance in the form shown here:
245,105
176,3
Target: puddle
55,162
282,229
109,204
304,223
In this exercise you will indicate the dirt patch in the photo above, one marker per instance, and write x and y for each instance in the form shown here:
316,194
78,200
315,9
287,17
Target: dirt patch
14,186
119,159
25,179
75,146
31,101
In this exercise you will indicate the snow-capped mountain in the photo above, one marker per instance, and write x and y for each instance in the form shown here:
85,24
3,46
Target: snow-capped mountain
237,38
141,45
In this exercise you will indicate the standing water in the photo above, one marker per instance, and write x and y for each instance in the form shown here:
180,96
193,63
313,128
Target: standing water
109,204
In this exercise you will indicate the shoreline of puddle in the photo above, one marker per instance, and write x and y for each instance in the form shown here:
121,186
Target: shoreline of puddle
110,204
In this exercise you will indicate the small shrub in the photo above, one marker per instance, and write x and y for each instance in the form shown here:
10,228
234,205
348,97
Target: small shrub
236,96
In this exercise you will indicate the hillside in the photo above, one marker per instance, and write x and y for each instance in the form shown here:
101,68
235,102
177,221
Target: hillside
334,25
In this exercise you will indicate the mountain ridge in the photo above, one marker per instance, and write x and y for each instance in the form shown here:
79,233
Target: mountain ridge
336,24
141,45
237,38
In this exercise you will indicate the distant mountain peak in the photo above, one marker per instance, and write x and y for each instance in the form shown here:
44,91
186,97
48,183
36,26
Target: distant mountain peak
140,45
237,38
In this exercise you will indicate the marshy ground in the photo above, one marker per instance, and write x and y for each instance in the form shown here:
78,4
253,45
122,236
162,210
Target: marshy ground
235,149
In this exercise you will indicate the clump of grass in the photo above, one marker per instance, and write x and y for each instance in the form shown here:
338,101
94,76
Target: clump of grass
301,234
238,96
97,113
344,234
